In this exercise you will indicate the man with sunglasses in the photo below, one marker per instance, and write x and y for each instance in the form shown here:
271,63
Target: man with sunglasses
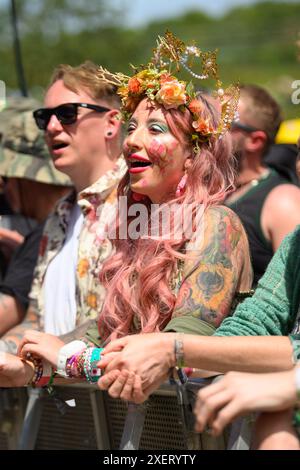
82,129
265,201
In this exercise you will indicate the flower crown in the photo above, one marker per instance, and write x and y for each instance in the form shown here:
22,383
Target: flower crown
157,82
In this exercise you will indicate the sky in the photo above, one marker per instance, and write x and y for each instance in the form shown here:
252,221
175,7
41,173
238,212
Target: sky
140,12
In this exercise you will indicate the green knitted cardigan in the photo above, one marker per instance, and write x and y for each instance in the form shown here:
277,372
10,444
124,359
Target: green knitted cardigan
274,307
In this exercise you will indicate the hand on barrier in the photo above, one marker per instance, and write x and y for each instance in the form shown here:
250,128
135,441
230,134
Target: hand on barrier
40,344
240,393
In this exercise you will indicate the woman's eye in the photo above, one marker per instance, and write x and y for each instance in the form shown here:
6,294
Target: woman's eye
130,128
157,128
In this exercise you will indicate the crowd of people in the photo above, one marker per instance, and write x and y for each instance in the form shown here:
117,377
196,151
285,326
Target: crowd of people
164,237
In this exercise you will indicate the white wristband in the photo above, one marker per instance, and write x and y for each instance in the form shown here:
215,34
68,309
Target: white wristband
65,352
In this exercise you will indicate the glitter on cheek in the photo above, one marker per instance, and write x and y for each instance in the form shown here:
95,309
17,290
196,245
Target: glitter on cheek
157,151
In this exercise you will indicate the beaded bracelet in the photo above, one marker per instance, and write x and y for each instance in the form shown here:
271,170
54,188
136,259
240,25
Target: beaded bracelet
84,364
38,369
92,372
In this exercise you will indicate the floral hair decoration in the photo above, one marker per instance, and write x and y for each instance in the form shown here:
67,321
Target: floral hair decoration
157,82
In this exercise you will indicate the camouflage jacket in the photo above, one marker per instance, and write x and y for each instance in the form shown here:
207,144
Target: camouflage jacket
92,250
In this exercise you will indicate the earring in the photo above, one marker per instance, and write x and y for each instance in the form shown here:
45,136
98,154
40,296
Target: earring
138,197
181,186
109,134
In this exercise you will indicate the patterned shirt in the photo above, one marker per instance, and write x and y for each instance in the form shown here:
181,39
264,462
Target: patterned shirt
95,203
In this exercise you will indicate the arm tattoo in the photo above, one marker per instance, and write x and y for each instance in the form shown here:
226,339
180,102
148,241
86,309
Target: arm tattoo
211,280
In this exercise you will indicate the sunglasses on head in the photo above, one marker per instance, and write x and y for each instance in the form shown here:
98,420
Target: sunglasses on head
66,113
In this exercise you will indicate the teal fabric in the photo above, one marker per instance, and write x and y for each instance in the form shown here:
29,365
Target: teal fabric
274,307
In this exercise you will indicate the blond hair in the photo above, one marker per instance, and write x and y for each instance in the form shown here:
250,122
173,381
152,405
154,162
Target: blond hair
86,76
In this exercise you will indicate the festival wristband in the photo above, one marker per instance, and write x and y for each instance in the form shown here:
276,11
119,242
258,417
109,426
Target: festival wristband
65,352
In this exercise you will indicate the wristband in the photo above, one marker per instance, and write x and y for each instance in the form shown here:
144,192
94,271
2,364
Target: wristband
65,352
47,372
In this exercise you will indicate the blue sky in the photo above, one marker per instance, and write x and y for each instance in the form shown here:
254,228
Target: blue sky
140,12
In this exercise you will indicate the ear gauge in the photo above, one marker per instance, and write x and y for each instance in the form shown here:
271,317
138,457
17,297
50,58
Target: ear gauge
108,134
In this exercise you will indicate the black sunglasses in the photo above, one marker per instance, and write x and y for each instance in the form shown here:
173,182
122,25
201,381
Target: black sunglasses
66,113
243,127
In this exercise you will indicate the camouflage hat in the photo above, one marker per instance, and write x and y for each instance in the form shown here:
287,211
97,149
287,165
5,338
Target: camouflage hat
14,106
24,154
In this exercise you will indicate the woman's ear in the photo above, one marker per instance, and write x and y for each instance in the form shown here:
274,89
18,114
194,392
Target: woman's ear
113,124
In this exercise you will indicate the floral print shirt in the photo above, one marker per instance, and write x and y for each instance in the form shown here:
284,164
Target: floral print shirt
95,202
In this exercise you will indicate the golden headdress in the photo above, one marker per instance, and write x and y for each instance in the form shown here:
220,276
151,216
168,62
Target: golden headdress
157,82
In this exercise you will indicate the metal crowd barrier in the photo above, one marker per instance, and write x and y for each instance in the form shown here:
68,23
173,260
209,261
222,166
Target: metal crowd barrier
101,422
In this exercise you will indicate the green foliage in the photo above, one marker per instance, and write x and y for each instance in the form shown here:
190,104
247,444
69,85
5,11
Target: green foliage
256,43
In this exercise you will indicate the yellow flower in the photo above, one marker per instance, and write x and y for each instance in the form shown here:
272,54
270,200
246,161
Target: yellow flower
147,74
82,267
92,300
171,94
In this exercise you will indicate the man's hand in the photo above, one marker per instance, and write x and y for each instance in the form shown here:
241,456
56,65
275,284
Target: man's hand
40,344
13,371
241,393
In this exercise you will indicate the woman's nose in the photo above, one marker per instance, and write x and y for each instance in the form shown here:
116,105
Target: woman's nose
134,140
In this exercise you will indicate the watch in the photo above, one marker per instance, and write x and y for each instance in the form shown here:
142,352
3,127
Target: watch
65,353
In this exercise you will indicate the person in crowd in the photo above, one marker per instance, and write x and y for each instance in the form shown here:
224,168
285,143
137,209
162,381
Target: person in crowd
177,151
83,135
13,227
283,154
12,107
265,200
32,187
237,394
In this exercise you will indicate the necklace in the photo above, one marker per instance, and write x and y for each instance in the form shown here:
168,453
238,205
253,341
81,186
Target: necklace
254,181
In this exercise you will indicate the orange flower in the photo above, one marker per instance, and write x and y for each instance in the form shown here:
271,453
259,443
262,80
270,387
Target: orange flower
134,85
166,77
82,267
92,300
195,106
203,126
172,94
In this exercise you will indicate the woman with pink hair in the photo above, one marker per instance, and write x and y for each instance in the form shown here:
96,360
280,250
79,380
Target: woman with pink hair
164,276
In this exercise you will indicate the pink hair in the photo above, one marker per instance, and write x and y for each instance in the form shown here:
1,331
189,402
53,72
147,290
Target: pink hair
145,302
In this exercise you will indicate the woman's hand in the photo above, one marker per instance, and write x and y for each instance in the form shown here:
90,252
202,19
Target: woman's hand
14,372
240,393
40,344
136,365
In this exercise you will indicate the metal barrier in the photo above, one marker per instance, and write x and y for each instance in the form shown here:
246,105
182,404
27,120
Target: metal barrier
100,422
